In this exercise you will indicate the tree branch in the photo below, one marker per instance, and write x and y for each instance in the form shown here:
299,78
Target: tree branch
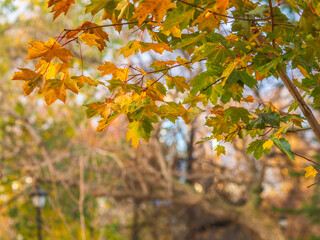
223,15
300,101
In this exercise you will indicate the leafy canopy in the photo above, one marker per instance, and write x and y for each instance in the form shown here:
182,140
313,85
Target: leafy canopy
239,43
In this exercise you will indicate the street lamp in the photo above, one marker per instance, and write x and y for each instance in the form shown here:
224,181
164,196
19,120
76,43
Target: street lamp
38,198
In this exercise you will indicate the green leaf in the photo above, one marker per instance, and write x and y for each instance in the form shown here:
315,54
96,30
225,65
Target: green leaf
242,76
256,147
220,150
284,146
269,66
189,40
258,11
96,6
202,82
236,114
175,18
270,118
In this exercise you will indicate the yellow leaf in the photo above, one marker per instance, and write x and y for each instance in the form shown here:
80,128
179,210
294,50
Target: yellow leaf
121,73
155,7
89,39
48,51
175,31
268,144
221,6
133,133
51,70
310,172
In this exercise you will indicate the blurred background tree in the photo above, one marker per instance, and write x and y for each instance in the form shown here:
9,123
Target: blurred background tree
99,187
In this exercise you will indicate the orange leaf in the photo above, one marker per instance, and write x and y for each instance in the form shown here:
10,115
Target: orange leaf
98,32
48,51
60,6
155,7
81,80
32,78
107,68
55,89
221,5
248,99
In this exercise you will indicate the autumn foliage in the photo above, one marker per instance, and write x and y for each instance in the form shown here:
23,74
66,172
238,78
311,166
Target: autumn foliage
239,43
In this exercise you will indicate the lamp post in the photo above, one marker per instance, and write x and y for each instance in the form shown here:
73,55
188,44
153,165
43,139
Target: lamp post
38,198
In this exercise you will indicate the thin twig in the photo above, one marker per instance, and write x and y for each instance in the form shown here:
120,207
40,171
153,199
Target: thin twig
227,16
308,159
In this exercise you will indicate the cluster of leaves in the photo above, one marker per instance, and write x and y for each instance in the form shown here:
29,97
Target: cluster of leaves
239,42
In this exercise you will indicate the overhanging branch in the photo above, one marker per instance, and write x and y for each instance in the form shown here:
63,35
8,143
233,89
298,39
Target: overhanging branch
300,101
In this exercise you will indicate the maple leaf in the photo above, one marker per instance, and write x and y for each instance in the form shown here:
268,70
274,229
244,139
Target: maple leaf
257,148
51,70
105,122
113,19
283,145
92,29
162,64
220,150
206,20
248,99
139,129
107,68
96,5
155,90
89,39
171,110
268,144
310,172
48,50
55,89
221,5
155,7
104,109
32,80
189,115
235,114
179,82
60,6
134,46
81,80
